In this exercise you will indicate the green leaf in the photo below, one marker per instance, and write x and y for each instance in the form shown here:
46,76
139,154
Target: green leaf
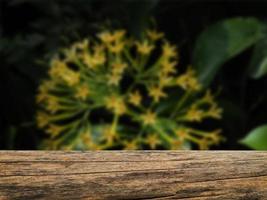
257,138
258,64
222,41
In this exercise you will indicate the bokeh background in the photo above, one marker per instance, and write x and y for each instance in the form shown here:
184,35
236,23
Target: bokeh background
33,30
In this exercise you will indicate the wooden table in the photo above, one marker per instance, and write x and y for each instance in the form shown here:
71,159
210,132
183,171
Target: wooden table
196,175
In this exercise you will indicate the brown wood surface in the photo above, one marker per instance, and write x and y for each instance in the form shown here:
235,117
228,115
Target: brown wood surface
196,175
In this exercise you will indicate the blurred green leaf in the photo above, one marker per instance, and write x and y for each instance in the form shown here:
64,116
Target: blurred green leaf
221,42
257,138
258,64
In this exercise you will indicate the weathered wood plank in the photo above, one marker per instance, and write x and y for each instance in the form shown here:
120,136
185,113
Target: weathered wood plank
196,175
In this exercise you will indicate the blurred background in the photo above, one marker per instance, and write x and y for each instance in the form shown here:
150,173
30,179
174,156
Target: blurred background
33,30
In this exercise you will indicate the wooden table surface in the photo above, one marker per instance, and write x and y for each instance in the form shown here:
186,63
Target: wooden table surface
196,175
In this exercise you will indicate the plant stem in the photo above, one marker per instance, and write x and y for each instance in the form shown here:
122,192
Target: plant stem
181,103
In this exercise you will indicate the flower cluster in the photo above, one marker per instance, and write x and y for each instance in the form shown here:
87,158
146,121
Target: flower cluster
115,92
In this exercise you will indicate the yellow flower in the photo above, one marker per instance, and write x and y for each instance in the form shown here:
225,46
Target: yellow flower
148,118
44,89
70,54
194,114
119,34
156,93
61,70
188,81
96,147
208,98
117,47
116,104
54,130
131,145
99,59
109,135
203,144
112,101
154,35
94,60
71,77
194,84
118,67
168,66
169,51
135,98
86,138
82,92
106,37
41,97
165,80
114,79
57,68
144,47
111,72
181,134
121,108
153,140
176,144
214,112
42,119
52,104
88,60
46,86
215,136
82,45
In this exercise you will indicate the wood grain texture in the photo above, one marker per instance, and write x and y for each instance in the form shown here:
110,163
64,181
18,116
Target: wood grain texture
196,175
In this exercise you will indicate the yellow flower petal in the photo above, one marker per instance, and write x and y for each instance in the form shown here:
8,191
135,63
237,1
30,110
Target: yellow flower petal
154,35
169,51
153,140
144,47
156,93
131,145
82,92
42,119
148,118
135,98
116,104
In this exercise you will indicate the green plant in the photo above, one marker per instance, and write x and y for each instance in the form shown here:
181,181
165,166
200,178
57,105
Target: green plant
257,138
225,40
219,44
29,41
112,91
